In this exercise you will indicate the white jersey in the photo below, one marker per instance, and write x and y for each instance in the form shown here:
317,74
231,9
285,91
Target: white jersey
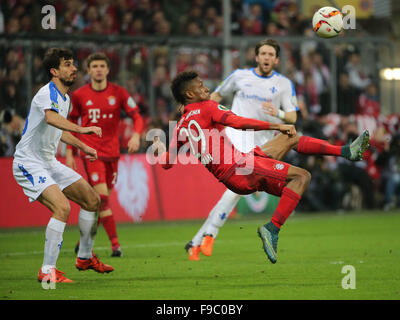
251,90
39,139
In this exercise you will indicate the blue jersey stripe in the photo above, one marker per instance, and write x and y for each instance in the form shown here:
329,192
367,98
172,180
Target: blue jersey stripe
26,173
26,122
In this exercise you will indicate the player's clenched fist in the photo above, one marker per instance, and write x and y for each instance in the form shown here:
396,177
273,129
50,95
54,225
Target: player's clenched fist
91,153
89,130
288,129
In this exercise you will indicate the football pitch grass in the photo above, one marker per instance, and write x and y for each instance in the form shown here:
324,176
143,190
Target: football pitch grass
312,250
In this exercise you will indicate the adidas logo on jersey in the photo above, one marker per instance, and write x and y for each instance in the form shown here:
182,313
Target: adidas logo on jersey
89,103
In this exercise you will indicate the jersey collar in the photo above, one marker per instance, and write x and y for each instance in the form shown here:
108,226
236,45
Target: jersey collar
264,77
53,85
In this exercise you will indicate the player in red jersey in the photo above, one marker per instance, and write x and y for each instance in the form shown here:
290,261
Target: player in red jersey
201,129
100,102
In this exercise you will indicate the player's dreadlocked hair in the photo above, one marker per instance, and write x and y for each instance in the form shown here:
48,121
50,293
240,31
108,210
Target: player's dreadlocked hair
52,58
179,84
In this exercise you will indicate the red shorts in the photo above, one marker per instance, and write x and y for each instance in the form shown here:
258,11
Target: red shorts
267,175
100,171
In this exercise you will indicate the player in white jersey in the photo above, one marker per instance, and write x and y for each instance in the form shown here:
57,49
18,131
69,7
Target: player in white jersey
38,172
260,93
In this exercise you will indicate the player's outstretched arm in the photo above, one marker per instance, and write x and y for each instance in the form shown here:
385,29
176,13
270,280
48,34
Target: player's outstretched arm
232,120
69,138
54,119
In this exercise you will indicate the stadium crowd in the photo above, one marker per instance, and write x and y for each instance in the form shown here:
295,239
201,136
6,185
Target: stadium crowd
373,183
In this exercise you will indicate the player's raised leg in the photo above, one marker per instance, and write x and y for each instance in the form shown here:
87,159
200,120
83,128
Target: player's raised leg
291,194
278,147
58,204
84,195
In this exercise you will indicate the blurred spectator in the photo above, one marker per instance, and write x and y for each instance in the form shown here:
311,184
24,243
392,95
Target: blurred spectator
252,23
193,29
10,132
108,25
91,17
346,96
174,10
11,99
13,26
321,77
271,29
390,162
1,21
358,77
195,14
126,25
368,102
283,23
355,176
163,28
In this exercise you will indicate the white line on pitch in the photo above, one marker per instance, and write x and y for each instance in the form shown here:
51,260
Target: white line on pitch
142,245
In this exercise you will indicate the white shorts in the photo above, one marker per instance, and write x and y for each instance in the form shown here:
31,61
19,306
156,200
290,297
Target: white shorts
35,176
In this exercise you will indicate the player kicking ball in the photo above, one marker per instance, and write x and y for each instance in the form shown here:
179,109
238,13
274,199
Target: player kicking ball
43,178
202,129
259,93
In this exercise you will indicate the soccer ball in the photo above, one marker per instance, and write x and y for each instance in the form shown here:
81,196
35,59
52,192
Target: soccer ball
328,22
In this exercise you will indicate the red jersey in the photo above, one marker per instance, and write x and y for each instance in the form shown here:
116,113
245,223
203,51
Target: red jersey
201,129
102,109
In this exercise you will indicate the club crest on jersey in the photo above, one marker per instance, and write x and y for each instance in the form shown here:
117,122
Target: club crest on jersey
95,177
279,166
131,103
221,107
55,105
111,100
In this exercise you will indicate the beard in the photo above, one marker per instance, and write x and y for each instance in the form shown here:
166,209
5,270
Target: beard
67,83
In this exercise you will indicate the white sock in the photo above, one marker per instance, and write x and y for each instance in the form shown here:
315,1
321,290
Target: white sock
88,230
54,232
217,216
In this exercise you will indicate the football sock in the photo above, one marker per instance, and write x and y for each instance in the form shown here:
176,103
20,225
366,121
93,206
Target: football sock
309,145
111,229
88,230
217,217
54,239
288,202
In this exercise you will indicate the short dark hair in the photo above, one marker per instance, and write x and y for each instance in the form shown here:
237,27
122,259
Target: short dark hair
53,56
97,56
179,84
268,42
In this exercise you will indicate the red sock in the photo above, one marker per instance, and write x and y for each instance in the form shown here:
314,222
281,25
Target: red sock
111,229
309,145
288,202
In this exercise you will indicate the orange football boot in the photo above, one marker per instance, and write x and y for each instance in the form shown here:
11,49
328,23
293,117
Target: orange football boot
93,263
194,253
55,275
206,246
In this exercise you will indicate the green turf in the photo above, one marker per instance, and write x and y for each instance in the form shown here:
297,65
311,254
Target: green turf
312,251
